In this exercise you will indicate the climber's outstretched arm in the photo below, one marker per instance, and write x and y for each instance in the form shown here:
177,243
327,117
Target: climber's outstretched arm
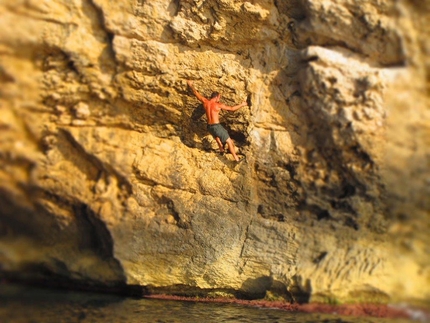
200,97
236,107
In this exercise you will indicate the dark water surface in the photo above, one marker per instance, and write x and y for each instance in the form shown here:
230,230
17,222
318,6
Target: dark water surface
28,304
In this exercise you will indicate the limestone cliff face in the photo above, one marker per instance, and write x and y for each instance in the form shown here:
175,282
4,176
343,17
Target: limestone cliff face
108,174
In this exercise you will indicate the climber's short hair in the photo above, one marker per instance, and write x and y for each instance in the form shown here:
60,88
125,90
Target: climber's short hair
214,94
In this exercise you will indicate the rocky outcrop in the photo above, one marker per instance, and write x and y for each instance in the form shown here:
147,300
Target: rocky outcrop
109,176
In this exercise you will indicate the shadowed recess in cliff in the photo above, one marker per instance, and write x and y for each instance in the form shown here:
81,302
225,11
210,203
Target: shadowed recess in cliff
93,232
18,220
294,9
264,287
82,241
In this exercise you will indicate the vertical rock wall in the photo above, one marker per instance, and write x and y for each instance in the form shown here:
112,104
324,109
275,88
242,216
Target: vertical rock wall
108,174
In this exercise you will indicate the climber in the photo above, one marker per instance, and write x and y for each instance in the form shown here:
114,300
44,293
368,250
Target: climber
213,107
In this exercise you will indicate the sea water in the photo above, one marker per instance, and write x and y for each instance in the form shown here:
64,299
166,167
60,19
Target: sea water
23,304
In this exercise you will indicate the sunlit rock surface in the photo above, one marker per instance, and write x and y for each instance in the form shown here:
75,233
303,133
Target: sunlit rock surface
108,174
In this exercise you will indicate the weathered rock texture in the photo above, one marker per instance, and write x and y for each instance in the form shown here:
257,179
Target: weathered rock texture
108,174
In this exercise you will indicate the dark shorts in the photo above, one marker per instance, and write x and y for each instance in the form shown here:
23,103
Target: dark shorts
216,130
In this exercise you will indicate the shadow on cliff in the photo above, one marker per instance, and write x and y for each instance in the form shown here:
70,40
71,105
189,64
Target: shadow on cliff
193,129
34,233
321,143
261,288
266,287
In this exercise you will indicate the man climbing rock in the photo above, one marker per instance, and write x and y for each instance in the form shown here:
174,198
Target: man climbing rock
213,107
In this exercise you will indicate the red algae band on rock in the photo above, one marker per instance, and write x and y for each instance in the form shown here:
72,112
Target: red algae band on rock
356,310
